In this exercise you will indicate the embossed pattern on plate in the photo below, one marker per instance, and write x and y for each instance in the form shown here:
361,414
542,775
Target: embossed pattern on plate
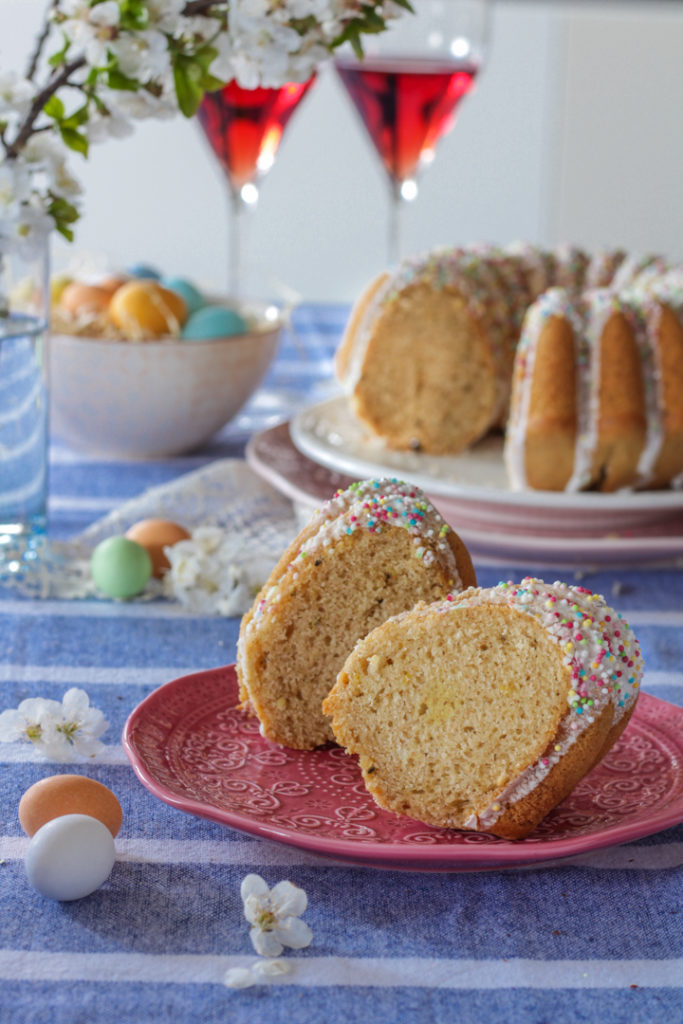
193,748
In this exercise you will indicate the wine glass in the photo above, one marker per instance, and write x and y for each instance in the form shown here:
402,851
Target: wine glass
408,86
244,128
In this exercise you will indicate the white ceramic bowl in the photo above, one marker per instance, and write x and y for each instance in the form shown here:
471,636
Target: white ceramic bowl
154,398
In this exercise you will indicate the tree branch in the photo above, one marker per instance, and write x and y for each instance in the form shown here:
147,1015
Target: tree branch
40,41
196,7
55,83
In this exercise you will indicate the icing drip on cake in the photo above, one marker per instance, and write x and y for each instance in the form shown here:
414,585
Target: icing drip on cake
596,309
554,302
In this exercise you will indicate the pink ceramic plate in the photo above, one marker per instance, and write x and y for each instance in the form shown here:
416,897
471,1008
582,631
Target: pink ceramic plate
194,749
499,534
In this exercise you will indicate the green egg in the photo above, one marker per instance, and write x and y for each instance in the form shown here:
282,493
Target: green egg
194,299
213,322
120,567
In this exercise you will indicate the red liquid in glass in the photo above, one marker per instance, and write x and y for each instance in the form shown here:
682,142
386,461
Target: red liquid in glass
406,105
244,126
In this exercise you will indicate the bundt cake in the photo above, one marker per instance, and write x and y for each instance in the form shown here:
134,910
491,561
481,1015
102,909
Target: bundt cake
430,354
374,550
597,396
483,711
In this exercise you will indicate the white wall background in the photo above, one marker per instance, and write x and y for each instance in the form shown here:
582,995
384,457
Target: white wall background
574,133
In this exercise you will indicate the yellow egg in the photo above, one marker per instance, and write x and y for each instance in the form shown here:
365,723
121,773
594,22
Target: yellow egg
78,298
154,535
143,307
68,794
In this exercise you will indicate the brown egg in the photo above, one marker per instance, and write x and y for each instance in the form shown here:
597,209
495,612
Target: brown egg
143,307
154,535
78,298
68,794
112,284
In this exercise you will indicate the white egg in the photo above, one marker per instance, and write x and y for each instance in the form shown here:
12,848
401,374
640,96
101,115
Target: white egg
70,857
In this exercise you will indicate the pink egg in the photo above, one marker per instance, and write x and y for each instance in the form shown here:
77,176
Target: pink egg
78,298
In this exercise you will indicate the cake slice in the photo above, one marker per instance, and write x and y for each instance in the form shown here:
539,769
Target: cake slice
483,711
373,551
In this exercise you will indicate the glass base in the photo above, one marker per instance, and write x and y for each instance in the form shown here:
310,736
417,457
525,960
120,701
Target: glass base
24,550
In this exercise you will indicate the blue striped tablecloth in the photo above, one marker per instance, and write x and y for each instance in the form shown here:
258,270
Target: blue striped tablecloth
596,940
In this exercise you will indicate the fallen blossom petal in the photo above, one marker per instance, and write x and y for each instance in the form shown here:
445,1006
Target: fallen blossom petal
271,968
239,977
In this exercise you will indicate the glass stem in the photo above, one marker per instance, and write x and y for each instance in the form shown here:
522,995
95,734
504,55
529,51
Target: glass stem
238,257
395,226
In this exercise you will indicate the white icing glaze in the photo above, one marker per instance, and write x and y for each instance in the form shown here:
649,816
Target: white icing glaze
598,307
554,302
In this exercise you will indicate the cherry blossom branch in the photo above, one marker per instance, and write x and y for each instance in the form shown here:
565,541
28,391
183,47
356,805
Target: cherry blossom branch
197,7
41,40
57,80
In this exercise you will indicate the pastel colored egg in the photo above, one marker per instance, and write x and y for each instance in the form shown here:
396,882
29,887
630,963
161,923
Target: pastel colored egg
213,322
57,285
68,794
144,307
154,535
120,567
113,283
144,270
70,857
78,298
194,299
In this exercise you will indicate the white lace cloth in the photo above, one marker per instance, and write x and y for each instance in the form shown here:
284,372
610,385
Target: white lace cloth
239,525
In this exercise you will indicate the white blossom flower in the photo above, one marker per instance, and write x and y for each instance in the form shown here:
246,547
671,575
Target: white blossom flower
275,915
47,157
16,94
112,125
15,186
166,15
33,720
143,56
91,29
65,731
27,230
81,724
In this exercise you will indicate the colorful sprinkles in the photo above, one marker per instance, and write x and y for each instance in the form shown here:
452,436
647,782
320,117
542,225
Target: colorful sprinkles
599,649
372,506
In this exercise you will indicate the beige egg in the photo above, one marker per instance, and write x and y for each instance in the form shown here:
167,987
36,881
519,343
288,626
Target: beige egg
143,307
68,794
78,298
154,535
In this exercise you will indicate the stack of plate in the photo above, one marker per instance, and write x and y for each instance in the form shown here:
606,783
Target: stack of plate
324,448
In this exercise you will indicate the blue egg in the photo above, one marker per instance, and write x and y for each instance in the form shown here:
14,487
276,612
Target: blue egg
194,299
143,270
213,322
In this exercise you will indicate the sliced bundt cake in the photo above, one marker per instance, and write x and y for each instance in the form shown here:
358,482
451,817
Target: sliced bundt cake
371,552
483,711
